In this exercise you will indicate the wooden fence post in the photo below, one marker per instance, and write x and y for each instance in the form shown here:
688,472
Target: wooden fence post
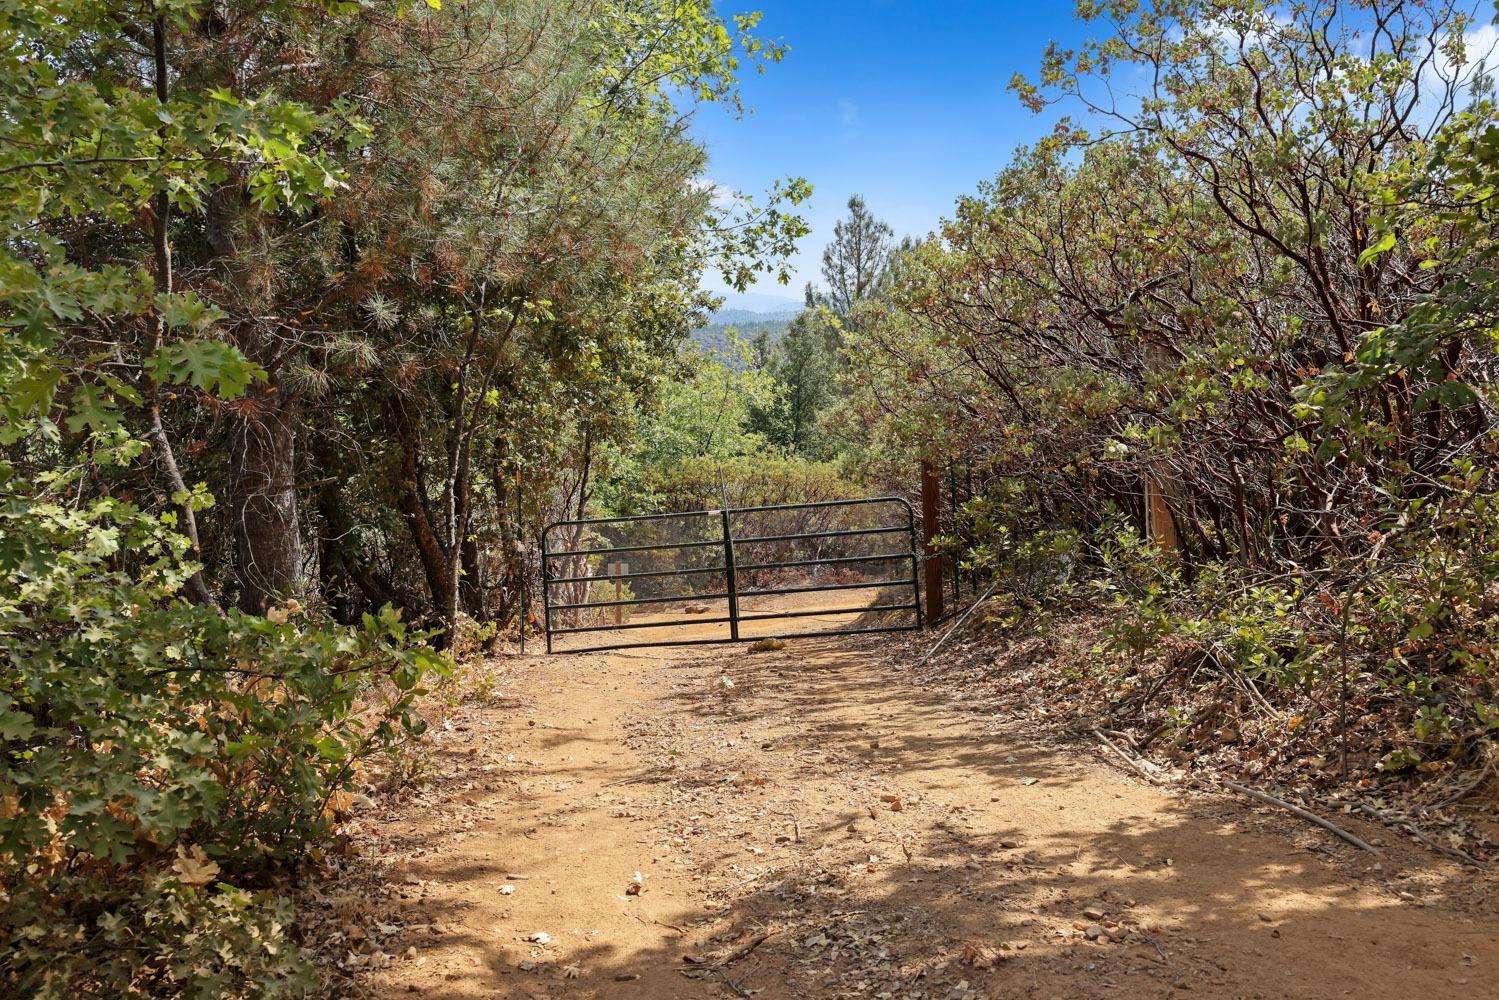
931,562
1159,525
1158,522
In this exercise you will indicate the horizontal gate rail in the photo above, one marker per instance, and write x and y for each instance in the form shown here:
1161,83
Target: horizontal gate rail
813,588
715,543
674,598
813,534
827,611
638,576
616,628
885,557
593,559
585,521
820,633
858,502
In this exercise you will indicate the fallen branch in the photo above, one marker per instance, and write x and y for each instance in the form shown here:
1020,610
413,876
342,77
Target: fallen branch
1471,786
958,624
1143,768
660,923
744,950
796,825
1296,810
747,881
1406,826
739,991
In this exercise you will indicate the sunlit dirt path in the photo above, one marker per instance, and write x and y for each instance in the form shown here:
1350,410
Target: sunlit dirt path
825,828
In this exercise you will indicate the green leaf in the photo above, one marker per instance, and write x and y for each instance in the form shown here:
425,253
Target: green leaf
1385,244
16,725
186,310
90,408
330,748
210,365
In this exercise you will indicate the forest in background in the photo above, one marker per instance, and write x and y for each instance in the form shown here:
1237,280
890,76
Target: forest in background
316,312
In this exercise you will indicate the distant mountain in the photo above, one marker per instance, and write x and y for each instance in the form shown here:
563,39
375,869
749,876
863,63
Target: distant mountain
761,303
748,317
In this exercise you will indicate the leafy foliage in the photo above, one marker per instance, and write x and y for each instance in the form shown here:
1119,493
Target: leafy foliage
136,723
362,270
1227,353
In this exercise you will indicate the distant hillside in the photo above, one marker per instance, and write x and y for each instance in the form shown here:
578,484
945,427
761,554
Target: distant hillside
749,317
714,337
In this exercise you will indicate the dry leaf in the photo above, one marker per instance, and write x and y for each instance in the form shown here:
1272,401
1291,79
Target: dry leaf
980,955
193,867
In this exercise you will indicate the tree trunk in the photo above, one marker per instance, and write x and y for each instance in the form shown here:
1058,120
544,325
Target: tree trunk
267,529
472,586
411,497
161,242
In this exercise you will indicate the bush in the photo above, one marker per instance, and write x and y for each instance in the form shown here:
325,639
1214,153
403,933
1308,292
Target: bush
154,747
156,938
1400,640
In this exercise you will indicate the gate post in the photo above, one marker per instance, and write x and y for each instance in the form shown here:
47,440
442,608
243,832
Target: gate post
728,565
932,563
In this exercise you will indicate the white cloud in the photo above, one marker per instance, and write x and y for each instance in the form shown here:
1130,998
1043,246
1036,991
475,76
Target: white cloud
721,195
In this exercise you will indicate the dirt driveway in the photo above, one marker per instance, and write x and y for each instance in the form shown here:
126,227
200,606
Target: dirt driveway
809,823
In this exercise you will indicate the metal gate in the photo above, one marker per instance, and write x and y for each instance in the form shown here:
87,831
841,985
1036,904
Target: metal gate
720,561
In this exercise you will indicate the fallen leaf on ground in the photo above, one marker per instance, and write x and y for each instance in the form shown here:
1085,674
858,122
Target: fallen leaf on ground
980,955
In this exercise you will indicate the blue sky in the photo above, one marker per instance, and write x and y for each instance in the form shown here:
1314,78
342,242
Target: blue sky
901,101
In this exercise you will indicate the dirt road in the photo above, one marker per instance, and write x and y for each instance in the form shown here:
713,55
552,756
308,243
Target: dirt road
825,828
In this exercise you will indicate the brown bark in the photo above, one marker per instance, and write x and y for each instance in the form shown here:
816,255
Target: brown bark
472,584
267,526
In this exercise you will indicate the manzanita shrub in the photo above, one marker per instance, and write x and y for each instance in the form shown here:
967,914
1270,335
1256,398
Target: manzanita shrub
162,760
1245,297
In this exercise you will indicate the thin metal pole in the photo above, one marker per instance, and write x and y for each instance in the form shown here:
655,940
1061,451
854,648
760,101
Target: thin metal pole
616,568
973,572
915,567
958,624
728,564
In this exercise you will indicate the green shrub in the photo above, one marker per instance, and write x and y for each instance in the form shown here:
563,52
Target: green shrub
144,734
1407,631
158,938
